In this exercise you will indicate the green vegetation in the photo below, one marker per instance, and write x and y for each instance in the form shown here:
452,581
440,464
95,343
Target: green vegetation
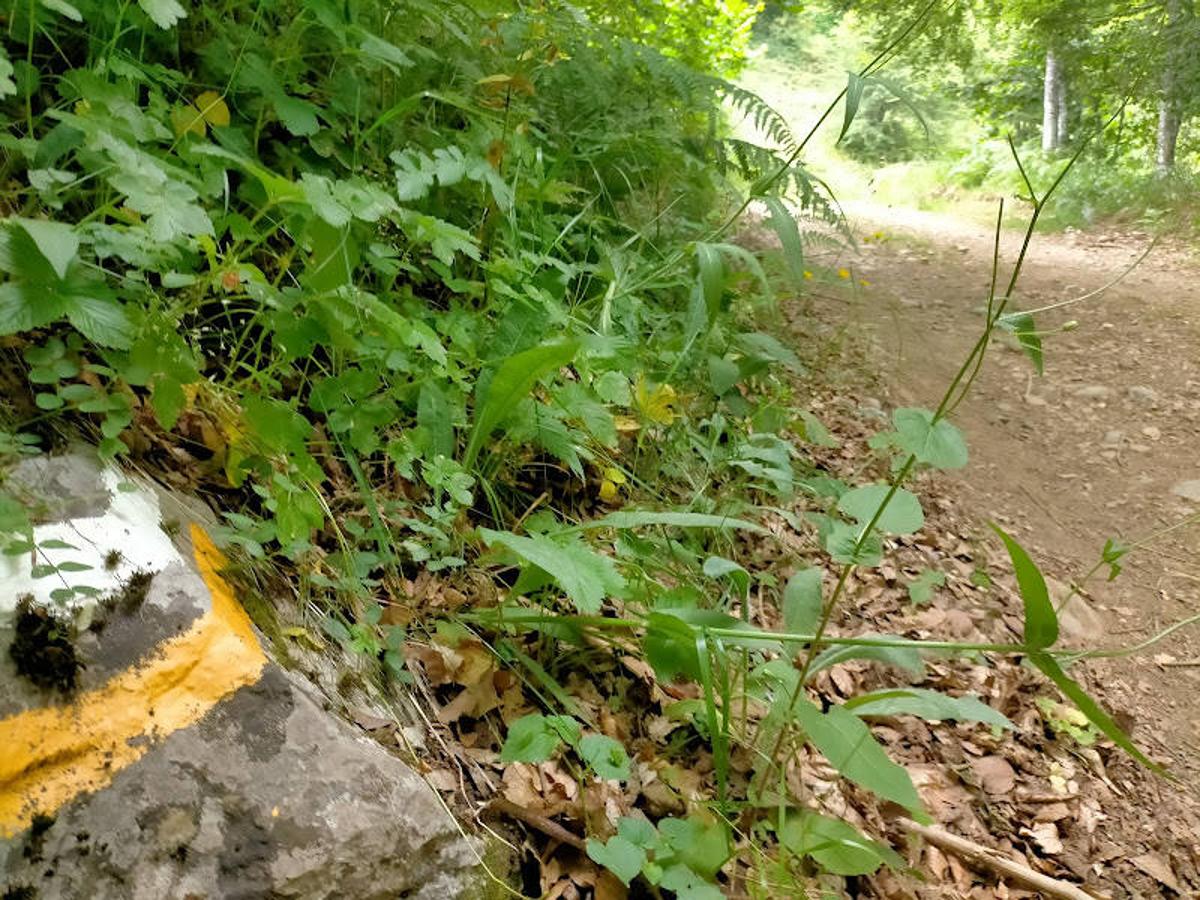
424,290
934,128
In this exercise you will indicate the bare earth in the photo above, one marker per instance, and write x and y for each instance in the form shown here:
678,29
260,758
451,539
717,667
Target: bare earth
1104,445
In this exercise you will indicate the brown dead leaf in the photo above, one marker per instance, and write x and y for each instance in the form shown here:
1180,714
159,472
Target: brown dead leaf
996,776
1045,836
1157,868
544,789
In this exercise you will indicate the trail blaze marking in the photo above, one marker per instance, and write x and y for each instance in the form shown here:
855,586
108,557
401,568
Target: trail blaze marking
50,755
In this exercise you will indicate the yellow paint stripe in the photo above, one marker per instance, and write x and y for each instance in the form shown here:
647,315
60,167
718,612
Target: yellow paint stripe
50,755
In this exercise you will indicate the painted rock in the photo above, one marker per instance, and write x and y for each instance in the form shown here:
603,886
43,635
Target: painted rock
149,748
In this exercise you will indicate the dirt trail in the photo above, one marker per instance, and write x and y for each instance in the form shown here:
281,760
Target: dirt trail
1099,447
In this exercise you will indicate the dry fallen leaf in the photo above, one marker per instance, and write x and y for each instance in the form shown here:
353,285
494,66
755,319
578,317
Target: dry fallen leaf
1157,868
995,774
1045,835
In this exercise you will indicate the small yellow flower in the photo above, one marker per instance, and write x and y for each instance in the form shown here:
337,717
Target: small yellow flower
610,490
843,273
864,282
658,403
808,274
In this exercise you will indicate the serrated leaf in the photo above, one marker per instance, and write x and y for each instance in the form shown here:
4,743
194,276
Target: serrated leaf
101,321
57,242
1041,622
164,13
586,576
23,308
802,602
298,116
845,740
932,705
939,444
902,515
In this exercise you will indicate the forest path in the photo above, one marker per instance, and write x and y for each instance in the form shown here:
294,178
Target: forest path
1105,444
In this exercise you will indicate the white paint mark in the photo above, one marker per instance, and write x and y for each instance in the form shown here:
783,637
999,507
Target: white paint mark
131,526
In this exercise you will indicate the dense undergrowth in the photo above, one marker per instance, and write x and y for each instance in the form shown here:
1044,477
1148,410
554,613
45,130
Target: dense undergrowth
419,290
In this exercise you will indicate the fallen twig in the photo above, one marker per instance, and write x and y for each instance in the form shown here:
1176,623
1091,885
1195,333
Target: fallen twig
543,824
979,855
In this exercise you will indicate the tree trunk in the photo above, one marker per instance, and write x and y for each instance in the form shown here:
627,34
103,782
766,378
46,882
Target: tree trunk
1050,103
1178,41
1060,104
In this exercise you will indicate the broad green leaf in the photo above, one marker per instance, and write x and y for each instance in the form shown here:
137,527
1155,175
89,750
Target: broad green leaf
700,843
586,576
298,116
534,738
670,647
939,444
670,640
164,13
854,92
722,374
101,321
906,658
1041,622
720,567
802,603
836,846
1024,328
639,832
512,382
23,307
8,87
813,430
920,589
845,740
606,756
764,347
389,54
63,8
711,274
783,223
1090,708
639,518
57,242
902,515
619,856
688,884
927,704
434,416
845,543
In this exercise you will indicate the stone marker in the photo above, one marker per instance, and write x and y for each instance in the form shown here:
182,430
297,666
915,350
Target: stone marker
171,758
